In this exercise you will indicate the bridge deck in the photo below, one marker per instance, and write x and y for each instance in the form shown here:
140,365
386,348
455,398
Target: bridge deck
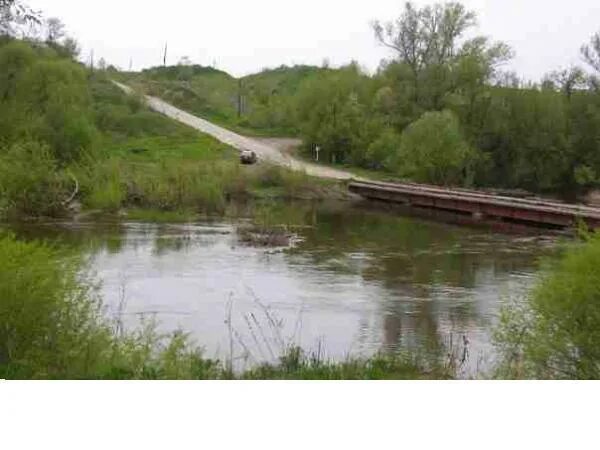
532,210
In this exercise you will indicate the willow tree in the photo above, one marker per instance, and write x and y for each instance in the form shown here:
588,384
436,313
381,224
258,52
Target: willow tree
431,43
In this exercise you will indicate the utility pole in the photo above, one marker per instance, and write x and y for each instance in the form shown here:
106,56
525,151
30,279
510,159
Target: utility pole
92,60
239,98
130,64
165,55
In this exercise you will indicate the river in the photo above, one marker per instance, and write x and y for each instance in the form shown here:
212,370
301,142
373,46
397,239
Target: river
354,280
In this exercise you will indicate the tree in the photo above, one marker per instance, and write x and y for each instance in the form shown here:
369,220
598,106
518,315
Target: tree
430,42
421,37
70,48
14,14
55,30
508,79
331,113
591,52
566,80
433,150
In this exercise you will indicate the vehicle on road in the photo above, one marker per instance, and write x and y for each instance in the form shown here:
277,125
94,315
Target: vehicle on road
248,157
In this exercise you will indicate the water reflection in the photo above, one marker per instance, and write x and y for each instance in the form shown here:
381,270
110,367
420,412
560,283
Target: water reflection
359,280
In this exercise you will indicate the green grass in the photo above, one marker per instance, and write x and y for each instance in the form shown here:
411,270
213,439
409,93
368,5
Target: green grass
170,170
295,364
142,160
153,149
268,96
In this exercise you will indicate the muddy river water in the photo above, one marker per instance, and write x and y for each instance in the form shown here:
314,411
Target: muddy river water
355,280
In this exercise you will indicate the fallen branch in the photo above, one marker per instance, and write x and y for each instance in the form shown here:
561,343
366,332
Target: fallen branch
75,192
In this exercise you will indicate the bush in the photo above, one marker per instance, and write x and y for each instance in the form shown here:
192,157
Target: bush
52,325
30,183
380,153
45,98
47,321
169,185
289,183
101,184
556,334
433,150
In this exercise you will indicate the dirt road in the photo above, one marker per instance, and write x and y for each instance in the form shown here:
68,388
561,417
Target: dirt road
275,151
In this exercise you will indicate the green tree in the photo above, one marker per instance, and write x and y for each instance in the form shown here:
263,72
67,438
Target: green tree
433,150
566,80
331,110
48,99
430,42
426,36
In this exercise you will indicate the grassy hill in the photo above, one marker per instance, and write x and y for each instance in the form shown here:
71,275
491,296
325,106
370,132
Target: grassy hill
260,104
60,123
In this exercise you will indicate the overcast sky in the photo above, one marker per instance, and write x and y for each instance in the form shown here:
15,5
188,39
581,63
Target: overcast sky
244,36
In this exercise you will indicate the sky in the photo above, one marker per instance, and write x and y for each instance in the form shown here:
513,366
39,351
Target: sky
245,36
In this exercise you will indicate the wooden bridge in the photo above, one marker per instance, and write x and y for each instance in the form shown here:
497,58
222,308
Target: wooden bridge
480,204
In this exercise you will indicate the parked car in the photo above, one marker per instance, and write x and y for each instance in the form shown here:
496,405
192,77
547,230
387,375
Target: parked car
248,157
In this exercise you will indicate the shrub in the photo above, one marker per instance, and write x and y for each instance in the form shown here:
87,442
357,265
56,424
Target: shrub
52,325
556,334
30,183
434,151
45,316
45,98
292,184
380,152
101,184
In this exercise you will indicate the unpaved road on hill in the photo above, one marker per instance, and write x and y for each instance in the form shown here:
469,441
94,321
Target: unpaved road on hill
276,151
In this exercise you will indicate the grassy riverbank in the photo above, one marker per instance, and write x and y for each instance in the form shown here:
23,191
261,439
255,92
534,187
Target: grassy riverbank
111,153
177,170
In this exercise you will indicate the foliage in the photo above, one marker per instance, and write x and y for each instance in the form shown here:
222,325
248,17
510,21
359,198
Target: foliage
52,325
382,152
48,100
426,36
295,364
30,184
433,150
556,334
331,111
